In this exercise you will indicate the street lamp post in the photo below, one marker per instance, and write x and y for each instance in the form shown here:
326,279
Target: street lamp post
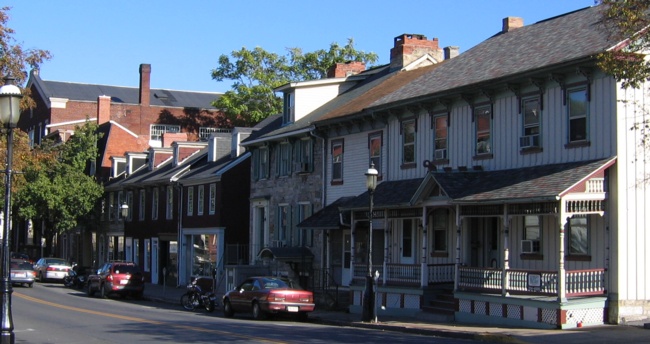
9,114
368,311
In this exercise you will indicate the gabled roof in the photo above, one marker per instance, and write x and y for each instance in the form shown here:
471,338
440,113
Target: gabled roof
545,45
121,94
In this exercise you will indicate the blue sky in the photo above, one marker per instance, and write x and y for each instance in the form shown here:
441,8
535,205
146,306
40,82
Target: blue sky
104,42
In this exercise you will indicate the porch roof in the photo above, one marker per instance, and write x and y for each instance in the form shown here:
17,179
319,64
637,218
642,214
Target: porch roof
328,217
535,183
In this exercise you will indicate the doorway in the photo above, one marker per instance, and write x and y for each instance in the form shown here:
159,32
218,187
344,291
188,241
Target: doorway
484,242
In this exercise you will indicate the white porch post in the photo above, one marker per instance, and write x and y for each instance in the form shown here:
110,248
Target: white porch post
384,273
561,272
424,273
352,248
457,266
505,279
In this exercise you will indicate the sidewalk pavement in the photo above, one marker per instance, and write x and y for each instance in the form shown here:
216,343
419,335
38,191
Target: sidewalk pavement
632,332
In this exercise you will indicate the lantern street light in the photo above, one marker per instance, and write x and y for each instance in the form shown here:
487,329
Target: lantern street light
9,114
369,296
124,211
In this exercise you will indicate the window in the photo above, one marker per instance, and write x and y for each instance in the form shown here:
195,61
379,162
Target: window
213,198
337,161
142,205
289,107
440,223
156,131
261,163
201,203
375,145
190,201
169,209
304,155
283,223
129,203
532,235
154,204
283,159
408,142
578,109
578,235
483,120
440,137
111,205
304,211
531,112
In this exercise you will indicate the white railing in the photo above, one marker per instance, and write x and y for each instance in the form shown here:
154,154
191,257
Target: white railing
578,282
407,274
441,273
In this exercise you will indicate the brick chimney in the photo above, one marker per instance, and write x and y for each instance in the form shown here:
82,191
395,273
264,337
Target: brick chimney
145,84
511,23
342,70
169,138
103,109
409,47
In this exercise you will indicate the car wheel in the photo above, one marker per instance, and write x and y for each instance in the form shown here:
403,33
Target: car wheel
29,285
228,312
258,314
90,290
102,291
40,277
187,302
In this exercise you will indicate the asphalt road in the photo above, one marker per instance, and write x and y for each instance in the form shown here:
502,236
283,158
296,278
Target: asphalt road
51,313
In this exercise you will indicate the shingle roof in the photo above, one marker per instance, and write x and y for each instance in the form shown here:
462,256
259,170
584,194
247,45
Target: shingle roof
328,217
545,44
128,95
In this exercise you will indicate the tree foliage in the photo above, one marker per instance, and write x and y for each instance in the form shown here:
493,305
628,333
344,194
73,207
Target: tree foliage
58,190
626,22
255,73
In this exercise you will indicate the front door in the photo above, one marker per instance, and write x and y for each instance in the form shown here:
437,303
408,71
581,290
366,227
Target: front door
408,240
154,260
484,242
347,256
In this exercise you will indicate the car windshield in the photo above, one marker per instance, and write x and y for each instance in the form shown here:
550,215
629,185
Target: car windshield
273,283
25,266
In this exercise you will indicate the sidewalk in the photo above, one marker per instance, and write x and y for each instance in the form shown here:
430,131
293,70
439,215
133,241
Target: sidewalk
635,332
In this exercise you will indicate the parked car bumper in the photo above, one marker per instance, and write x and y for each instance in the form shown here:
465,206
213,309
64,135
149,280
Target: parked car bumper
22,277
55,275
118,288
275,307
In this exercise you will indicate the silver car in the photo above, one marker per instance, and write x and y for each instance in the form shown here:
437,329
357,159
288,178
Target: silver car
51,269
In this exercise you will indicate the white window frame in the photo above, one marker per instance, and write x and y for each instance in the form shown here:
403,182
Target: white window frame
579,234
440,135
533,232
201,200
337,160
283,161
575,115
439,235
375,146
483,129
213,198
409,137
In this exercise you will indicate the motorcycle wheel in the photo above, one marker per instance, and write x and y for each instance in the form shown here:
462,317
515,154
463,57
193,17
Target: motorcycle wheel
209,305
187,302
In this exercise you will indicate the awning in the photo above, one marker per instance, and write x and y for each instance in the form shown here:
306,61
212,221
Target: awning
286,254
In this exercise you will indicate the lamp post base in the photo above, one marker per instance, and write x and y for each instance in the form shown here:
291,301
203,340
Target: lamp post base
368,303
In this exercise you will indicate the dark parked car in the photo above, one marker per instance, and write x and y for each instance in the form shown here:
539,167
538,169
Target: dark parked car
268,295
22,272
51,269
119,278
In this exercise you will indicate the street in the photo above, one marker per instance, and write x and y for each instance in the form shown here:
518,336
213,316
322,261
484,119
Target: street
51,313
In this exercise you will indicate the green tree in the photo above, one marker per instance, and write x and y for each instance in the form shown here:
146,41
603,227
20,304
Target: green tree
255,73
58,191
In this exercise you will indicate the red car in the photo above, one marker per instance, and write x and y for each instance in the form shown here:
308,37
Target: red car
268,295
119,278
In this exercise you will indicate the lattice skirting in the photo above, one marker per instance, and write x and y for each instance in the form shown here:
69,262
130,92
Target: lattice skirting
391,300
551,316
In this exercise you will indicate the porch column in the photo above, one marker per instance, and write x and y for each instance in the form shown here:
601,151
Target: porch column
424,273
384,273
505,279
353,231
561,272
457,265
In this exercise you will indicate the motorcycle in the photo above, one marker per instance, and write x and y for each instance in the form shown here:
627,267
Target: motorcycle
77,277
196,296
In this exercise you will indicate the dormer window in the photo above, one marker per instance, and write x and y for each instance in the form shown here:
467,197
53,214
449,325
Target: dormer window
289,108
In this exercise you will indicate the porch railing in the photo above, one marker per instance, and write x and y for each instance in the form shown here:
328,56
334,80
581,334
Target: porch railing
578,282
405,274
441,273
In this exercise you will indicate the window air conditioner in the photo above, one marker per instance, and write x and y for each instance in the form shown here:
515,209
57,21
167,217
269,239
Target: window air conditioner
526,246
529,141
441,154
